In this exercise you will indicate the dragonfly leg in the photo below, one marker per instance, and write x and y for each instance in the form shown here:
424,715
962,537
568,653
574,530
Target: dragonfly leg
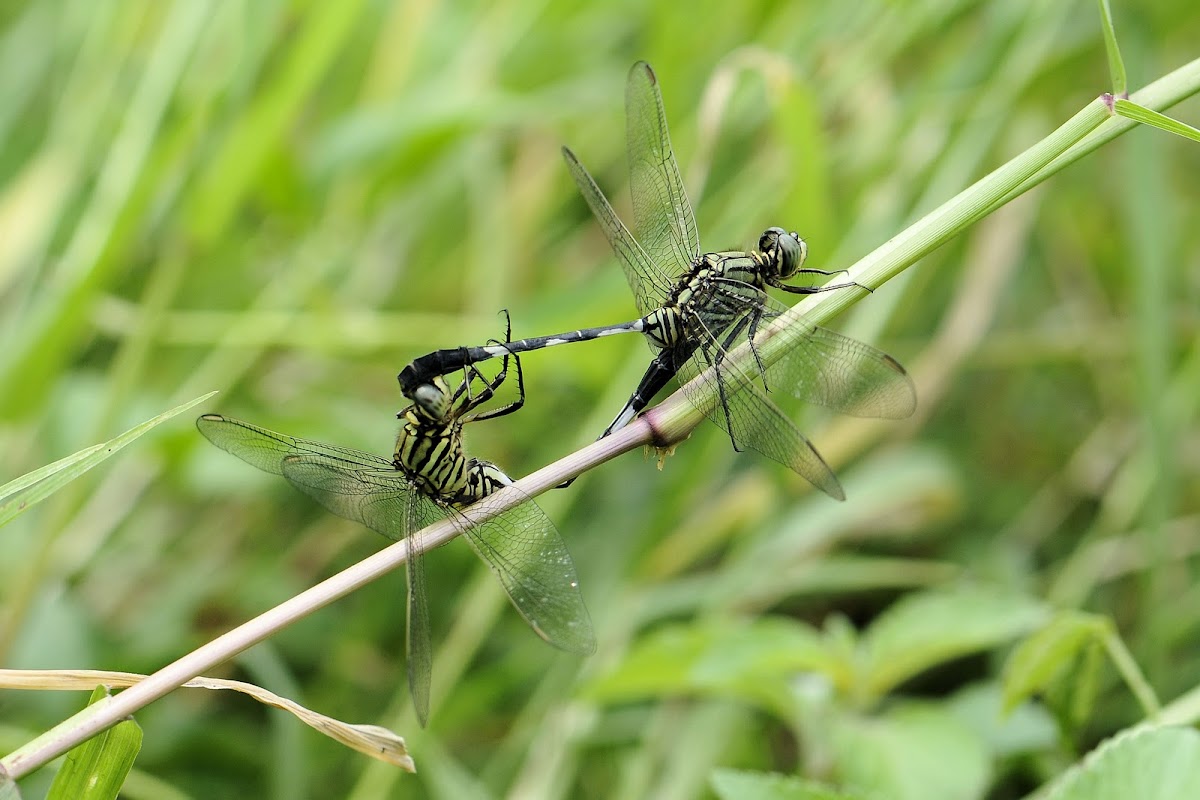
817,289
471,372
657,375
491,387
815,271
722,394
749,325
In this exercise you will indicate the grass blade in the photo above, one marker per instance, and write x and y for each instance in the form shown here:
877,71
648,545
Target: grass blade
96,769
49,479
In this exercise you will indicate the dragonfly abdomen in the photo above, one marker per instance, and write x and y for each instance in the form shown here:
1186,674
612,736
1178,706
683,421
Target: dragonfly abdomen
481,479
664,326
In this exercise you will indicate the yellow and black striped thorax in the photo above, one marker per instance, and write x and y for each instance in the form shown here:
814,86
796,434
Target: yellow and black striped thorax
716,282
429,446
429,450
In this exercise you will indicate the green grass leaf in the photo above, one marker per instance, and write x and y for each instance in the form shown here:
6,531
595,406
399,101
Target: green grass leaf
1116,65
43,482
1147,116
96,769
1045,655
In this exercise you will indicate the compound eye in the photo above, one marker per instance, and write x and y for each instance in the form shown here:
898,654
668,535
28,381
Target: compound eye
792,254
766,242
431,399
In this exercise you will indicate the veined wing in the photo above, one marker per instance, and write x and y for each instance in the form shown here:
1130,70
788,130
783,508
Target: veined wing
354,485
347,482
650,284
662,215
422,512
840,373
528,555
386,503
266,449
753,421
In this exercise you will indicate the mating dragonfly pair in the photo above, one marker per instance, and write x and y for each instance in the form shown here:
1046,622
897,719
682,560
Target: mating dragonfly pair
696,307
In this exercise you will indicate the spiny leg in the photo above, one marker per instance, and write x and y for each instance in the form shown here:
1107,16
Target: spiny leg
491,387
817,289
471,371
721,392
510,407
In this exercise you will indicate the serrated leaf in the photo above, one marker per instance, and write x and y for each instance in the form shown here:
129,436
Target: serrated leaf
96,769
912,752
36,486
751,660
927,629
1035,662
1144,763
732,784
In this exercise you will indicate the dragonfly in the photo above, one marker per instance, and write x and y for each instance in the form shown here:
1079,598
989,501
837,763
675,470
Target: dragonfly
430,477
697,306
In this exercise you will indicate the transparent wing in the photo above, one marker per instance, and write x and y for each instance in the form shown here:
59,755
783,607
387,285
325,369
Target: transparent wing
819,366
387,504
753,421
266,449
422,512
839,373
650,283
528,555
356,486
662,215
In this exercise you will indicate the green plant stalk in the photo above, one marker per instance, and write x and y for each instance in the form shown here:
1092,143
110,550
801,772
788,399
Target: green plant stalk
667,423
1132,674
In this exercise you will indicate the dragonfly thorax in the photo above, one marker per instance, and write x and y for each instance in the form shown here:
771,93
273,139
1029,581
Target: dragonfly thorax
785,253
430,452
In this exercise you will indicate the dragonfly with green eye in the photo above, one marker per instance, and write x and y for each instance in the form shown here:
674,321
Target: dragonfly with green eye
697,306
430,477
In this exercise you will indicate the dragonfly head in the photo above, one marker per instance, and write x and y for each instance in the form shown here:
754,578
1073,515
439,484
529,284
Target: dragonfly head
785,252
432,400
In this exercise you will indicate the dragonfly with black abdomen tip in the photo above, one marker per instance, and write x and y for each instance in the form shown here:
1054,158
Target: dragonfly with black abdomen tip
697,306
430,477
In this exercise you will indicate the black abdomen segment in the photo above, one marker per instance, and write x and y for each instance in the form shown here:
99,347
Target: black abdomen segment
443,362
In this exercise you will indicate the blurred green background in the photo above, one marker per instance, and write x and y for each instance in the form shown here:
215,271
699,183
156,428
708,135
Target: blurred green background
288,201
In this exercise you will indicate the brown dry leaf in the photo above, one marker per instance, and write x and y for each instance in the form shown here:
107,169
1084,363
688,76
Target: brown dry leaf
370,740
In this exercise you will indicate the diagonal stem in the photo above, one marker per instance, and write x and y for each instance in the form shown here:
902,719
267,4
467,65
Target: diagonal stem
672,419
